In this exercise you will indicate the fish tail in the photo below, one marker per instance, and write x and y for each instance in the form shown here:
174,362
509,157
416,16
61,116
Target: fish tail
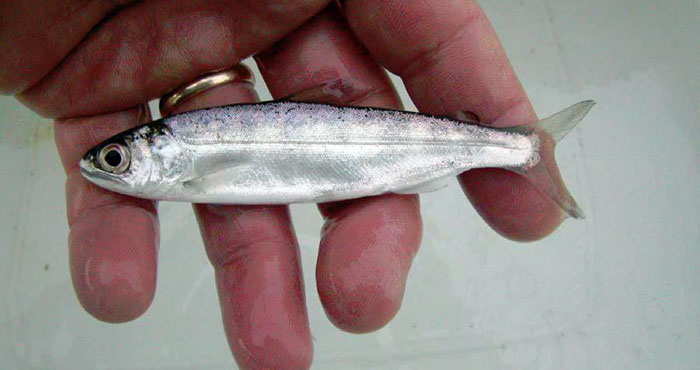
544,174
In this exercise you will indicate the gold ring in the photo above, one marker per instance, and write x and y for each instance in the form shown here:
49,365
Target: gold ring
237,73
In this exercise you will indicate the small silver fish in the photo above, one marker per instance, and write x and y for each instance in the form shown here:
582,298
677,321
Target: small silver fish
284,152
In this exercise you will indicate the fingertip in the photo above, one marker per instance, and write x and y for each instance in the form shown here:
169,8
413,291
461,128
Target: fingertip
510,204
361,309
364,258
113,262
115,304
292,353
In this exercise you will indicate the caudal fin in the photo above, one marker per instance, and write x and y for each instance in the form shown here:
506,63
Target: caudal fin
560,124
545,175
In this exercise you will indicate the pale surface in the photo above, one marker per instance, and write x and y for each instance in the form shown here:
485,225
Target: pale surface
620,290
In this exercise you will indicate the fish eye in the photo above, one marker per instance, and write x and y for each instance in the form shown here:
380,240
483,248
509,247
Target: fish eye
114,158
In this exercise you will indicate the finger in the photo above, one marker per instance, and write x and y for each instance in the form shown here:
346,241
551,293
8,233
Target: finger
113,238
451,60
36,35
367,244
256,258
148,48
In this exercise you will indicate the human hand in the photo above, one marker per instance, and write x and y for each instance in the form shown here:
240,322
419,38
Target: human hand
444,50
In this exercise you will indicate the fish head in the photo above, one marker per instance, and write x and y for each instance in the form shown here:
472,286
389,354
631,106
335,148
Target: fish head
145,162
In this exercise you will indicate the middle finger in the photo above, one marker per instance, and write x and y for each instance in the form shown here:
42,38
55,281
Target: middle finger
367,244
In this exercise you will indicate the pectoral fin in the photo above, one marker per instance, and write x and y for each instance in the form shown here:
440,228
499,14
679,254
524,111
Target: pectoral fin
219,177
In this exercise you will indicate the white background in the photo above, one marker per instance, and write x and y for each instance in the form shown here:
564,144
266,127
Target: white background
619,290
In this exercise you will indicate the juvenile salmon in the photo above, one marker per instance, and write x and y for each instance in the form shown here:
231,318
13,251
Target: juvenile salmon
289,152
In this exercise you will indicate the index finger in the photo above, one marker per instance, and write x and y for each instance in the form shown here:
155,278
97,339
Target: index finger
450,60
147,48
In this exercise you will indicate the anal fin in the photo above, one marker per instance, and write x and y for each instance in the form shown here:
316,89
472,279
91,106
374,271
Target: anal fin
425,187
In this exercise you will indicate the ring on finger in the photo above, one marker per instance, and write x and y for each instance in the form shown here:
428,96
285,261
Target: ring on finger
184,92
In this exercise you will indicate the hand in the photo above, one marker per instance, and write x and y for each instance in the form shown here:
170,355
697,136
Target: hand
446,53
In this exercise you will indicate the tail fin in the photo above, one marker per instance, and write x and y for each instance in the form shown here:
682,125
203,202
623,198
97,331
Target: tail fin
545,175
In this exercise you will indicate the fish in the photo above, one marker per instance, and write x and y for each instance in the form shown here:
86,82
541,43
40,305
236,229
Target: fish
285,151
